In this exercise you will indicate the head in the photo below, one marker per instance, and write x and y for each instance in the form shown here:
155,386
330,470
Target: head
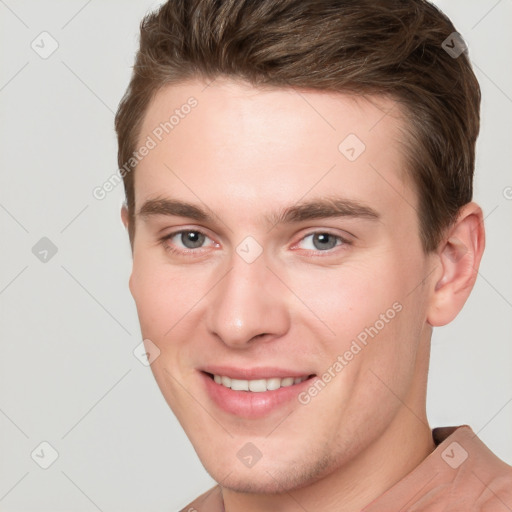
302,205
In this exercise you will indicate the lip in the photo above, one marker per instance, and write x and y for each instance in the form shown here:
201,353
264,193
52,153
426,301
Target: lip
249,405
266,372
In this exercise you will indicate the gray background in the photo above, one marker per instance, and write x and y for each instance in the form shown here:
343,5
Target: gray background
69,326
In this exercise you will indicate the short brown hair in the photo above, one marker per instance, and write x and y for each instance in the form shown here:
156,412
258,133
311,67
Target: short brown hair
387,47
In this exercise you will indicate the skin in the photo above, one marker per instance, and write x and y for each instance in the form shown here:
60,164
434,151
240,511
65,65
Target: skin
245,154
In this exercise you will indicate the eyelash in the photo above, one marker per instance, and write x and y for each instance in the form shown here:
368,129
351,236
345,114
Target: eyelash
197,252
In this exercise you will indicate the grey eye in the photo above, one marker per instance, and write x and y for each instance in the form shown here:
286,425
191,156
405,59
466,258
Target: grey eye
192,239
320,241
323,241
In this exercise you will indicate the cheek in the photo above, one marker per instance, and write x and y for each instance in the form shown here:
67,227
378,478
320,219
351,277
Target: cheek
347,300
371,320
150,302
163,296
165,305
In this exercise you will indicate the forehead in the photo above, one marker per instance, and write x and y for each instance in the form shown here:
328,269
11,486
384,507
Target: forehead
231,140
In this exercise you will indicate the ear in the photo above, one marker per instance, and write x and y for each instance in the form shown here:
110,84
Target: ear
459,254
124,215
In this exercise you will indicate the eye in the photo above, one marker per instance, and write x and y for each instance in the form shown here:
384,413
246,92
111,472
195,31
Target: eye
191,239
320,241
187,239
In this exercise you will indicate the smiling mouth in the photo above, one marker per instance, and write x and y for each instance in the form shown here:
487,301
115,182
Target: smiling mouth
257,385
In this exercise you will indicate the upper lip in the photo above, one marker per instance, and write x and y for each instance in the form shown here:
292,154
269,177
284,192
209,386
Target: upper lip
254,373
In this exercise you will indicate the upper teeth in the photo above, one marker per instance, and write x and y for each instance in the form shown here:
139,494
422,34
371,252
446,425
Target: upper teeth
258,385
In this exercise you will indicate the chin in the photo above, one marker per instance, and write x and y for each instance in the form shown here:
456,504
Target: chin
250,486
270,478
251,483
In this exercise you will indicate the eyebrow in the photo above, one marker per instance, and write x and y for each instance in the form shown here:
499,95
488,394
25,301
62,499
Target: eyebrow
323,208
307,210
172,207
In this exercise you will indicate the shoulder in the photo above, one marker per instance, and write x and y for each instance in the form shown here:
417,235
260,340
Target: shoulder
482,490
494,482
480,481
210,501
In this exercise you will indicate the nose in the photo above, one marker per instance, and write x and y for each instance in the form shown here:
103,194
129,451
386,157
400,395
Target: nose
249,304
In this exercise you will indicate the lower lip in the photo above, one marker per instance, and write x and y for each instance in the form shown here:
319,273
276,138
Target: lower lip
248,404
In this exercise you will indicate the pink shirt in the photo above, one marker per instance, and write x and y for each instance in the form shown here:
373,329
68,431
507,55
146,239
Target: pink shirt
460,475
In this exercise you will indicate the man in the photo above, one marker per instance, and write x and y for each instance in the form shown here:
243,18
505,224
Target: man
298,177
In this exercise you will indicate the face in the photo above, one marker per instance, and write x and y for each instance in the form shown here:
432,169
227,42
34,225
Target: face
278,274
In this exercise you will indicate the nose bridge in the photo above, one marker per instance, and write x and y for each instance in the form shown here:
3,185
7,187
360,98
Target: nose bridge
246,304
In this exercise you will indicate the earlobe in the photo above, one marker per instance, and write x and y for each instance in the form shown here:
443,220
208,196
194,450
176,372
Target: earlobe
459,253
